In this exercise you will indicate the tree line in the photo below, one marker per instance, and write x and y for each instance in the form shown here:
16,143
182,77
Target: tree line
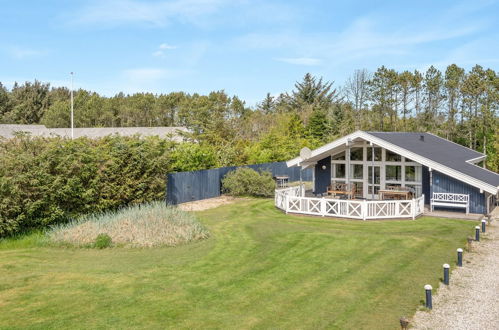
456,104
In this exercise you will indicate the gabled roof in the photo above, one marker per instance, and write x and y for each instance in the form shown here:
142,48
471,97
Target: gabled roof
427,149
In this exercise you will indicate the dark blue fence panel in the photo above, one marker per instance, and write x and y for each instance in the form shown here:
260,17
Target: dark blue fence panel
184,187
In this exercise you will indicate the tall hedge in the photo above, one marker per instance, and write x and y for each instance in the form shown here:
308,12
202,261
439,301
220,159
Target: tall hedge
45,181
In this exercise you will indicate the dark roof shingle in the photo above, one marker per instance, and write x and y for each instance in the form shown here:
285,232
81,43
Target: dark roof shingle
443,151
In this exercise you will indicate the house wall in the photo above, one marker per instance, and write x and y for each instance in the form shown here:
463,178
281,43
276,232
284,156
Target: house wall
444,183
322,176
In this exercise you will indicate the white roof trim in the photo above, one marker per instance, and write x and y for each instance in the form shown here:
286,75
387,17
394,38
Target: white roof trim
324,148
476,160
401,151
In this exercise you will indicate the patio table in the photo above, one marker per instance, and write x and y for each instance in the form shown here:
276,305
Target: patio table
402,194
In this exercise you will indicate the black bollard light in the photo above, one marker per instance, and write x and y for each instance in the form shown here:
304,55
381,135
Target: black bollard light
484,222
460,257
477,233
446,274
428,288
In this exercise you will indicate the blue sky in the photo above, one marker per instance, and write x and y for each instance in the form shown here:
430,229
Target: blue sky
247,48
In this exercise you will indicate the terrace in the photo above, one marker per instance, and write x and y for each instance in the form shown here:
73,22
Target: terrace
295,200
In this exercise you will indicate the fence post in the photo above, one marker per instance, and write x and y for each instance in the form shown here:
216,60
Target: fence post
413,209
286,203
364,210
323,206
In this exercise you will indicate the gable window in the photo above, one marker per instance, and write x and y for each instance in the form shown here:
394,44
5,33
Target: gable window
357,154
392,157
339,156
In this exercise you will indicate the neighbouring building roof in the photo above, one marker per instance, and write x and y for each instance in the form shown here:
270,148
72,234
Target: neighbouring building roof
8,131
427,149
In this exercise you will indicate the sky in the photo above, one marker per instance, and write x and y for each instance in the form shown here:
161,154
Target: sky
247,48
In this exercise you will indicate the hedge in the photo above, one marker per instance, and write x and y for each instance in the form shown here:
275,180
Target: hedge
46,181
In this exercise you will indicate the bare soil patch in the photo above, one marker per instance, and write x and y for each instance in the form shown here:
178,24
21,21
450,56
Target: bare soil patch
209,203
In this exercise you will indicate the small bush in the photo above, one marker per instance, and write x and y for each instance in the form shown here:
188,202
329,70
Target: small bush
103,241
146,225
245,181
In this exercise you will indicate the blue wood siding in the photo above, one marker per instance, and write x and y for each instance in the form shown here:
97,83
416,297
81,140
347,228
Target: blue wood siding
322,176
444,183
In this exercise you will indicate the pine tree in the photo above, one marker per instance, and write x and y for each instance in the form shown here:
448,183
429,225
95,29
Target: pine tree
268,104
311,91
454,76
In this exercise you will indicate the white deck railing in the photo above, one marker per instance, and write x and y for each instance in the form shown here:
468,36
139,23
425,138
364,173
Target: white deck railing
291,200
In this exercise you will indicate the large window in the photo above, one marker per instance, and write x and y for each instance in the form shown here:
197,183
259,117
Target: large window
377,154
393,173
357,154
339,171
359,189
377,177
356,171
413,173
392,157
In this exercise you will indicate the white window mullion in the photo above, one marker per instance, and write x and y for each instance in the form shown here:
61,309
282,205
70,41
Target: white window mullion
382,169
366,172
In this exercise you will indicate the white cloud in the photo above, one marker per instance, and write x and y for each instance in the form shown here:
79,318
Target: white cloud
158,13
366,39
21,52
167,46
158,53
162,48
300,60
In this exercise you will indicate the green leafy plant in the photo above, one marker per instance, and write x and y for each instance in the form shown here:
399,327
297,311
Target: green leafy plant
47,181
245,181
103,241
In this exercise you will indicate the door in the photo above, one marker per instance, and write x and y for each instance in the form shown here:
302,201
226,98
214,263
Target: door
373,183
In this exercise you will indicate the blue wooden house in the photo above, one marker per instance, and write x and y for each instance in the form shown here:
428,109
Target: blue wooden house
380,165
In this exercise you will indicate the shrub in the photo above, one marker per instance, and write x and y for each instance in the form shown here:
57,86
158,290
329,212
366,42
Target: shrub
245,181
47,181
146,225
103,241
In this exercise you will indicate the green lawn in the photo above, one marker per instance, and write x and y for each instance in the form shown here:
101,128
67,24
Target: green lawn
260,269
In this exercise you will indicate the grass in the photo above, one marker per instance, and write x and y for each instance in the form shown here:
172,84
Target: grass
259,269
146,225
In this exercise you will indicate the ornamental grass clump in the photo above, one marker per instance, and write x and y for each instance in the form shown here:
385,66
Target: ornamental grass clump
147,225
